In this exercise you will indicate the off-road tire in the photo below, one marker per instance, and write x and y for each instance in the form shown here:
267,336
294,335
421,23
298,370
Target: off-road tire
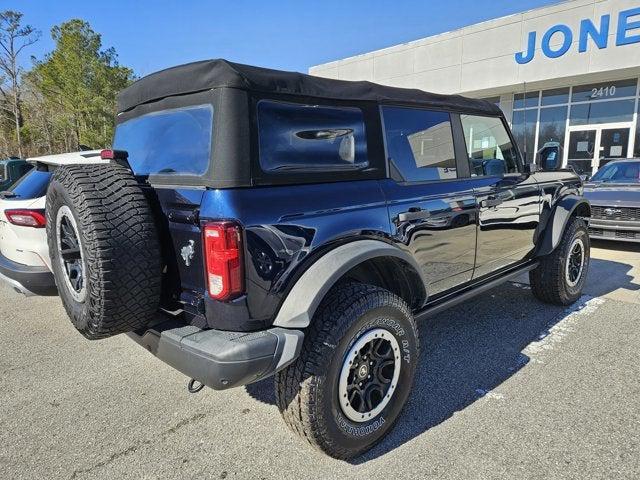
306,391
548,281
119,245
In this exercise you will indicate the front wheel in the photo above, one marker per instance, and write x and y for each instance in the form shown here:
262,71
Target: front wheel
561,275
354,374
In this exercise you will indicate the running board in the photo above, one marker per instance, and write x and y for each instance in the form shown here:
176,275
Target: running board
464,295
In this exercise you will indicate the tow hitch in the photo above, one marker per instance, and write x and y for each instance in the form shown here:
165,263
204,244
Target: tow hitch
194,386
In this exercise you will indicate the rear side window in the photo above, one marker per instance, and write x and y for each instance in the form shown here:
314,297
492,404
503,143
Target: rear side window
307,138
33,185
420,143
168,142
489,147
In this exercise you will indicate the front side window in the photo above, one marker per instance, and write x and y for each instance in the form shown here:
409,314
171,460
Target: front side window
169,142
309,138
420,143
524,131
490,149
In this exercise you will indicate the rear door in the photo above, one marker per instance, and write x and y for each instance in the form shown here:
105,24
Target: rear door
508,199
431,210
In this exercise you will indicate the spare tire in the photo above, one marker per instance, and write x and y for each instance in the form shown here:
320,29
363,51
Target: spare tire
104,249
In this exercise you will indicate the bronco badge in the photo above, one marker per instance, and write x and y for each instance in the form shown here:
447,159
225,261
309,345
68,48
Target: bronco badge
187,253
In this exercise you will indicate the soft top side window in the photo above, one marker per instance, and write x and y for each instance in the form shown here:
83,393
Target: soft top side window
297,137
489,147
420,143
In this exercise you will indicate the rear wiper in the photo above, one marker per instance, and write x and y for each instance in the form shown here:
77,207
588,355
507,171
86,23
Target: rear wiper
8,194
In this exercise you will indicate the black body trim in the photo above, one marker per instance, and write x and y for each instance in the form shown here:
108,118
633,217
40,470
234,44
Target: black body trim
463,295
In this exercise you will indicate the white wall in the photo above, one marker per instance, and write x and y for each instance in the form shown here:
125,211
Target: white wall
479,60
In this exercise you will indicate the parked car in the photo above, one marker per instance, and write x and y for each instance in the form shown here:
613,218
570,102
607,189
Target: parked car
11,170
24,253
614,193
257,222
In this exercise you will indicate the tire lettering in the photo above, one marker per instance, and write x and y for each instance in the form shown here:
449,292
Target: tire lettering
359,431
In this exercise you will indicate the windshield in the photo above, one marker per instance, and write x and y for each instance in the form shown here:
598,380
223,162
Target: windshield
622,172
169,142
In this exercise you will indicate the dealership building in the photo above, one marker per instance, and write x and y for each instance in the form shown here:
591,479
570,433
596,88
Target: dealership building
566,73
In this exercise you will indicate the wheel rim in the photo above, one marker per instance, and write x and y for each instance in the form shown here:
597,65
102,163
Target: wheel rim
70,254
575,262
369,375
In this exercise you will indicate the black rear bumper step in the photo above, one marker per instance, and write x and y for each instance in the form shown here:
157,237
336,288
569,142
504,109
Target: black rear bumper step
221,359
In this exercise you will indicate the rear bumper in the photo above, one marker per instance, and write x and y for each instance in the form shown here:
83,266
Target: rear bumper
614,230
26,279
221,359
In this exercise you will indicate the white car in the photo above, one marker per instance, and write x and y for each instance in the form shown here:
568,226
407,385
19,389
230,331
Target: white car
24,254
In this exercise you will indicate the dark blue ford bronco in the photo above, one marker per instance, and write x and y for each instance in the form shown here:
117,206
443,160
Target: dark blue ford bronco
257,222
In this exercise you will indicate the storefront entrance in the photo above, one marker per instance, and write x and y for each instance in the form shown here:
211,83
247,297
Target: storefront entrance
590,147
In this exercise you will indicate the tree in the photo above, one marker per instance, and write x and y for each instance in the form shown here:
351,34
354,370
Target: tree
80,81
14,38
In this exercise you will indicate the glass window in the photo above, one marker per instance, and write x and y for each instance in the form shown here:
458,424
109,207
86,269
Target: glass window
636,149
420,143
168,142
553,123
602,112
530,100
618,172
489,147
604,91
556,96
524,131
33,185
296,137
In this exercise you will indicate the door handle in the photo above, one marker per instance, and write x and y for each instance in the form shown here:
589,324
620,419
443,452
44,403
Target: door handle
414,214
491,202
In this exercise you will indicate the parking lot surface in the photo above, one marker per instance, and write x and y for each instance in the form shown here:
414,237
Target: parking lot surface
507,387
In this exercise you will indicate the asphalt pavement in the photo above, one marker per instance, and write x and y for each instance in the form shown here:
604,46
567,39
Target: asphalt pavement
507,387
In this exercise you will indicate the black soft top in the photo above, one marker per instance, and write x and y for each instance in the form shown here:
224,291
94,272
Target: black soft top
209,74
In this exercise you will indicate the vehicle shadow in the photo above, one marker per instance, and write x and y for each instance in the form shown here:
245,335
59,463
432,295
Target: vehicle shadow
612,245
468,351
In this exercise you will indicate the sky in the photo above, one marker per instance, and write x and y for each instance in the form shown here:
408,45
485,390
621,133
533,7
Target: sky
150,35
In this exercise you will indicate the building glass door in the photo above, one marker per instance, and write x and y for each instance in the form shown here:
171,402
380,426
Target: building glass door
589,148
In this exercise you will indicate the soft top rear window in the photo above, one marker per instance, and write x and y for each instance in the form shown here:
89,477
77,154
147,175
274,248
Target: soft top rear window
33,185
169,142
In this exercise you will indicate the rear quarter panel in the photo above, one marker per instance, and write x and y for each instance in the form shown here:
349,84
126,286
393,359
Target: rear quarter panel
287,227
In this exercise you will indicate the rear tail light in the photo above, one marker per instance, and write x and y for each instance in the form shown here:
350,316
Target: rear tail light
27,218
223,256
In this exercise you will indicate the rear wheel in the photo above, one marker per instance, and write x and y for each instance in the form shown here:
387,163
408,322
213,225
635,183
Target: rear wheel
104,249
561,276
354,374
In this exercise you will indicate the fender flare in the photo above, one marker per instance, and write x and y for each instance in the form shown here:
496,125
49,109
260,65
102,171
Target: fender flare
303,299
557,222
